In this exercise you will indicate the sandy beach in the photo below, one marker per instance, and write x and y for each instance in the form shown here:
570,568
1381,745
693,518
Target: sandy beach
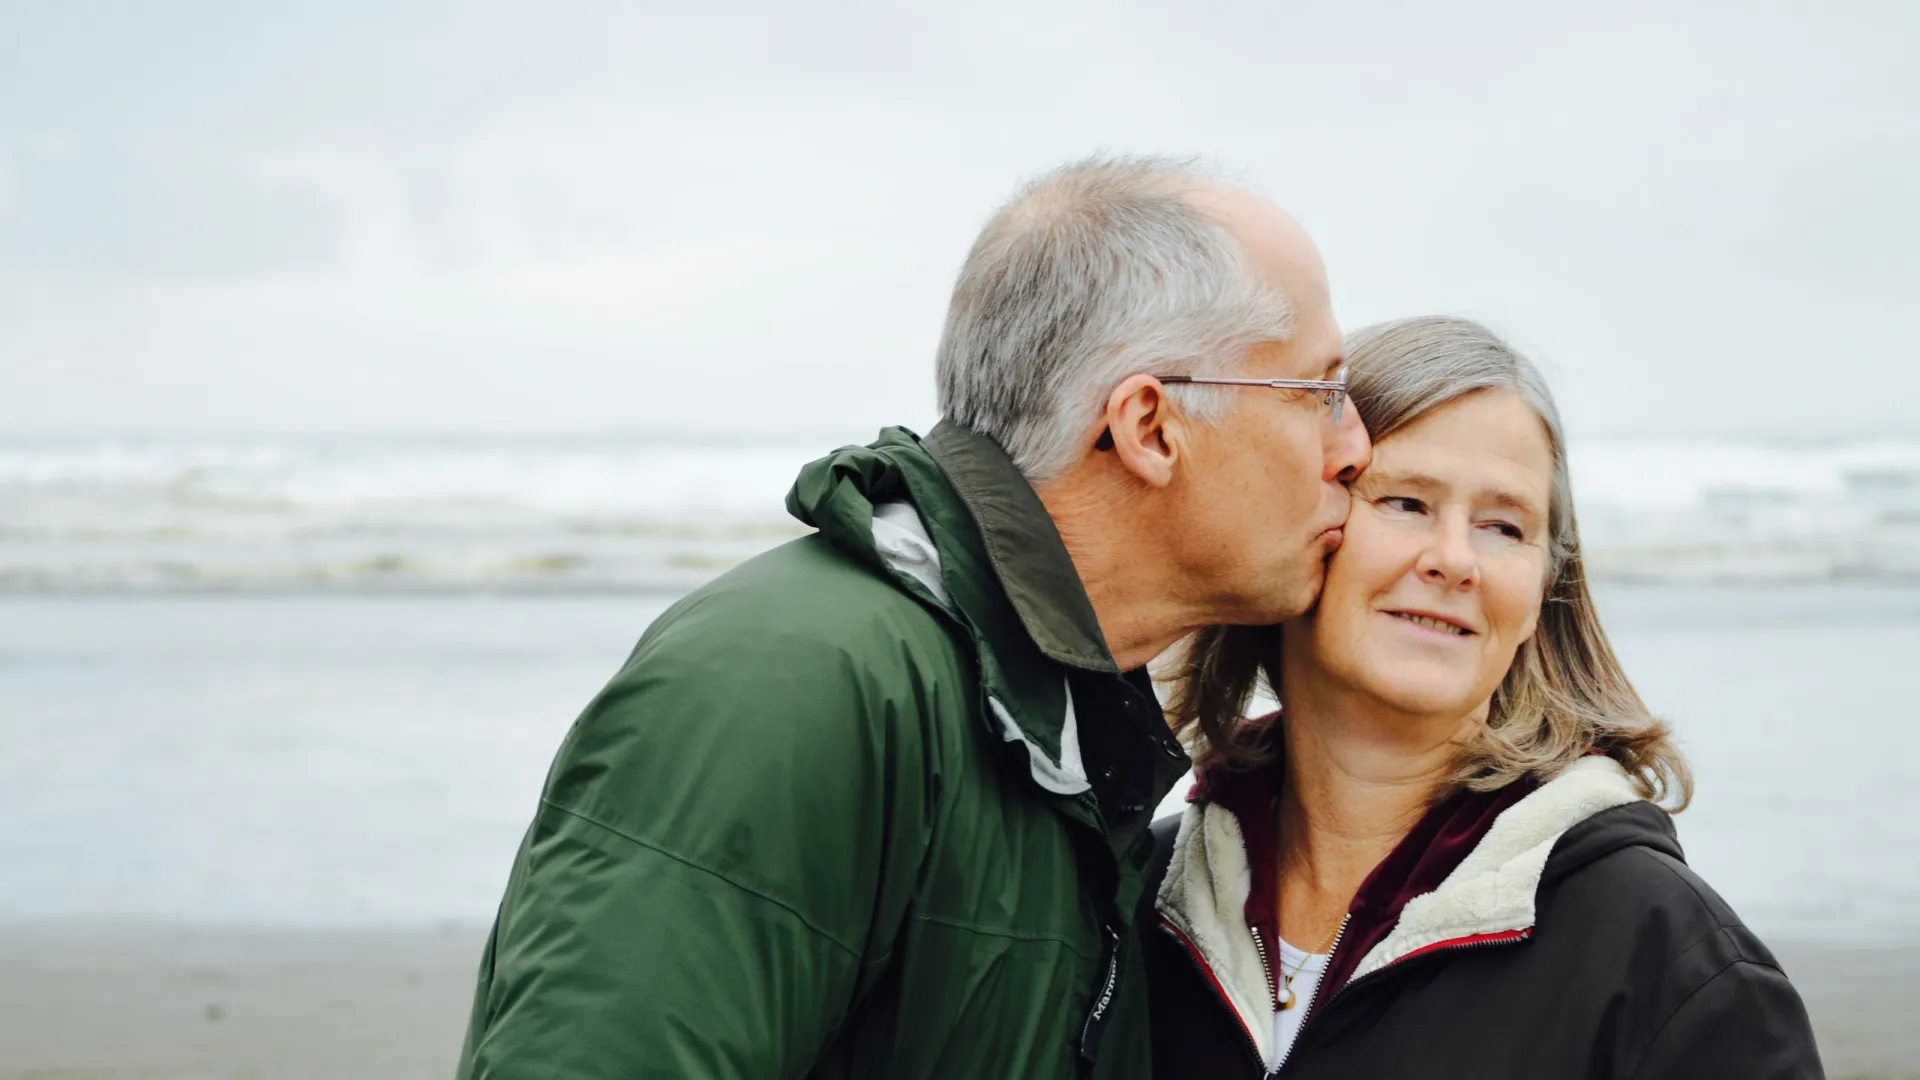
337,765
84,1003
130,1003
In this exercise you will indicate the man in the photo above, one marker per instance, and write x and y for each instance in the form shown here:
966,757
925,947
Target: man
874,804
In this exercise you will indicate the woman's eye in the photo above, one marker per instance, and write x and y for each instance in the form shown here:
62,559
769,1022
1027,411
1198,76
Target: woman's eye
1404,504
1507,529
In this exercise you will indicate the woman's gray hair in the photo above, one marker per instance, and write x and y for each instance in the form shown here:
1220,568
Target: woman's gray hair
1410,367
1099,270
1566,694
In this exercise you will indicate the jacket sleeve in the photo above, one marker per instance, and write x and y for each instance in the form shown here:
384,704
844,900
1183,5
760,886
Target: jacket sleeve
1746,1022
717,868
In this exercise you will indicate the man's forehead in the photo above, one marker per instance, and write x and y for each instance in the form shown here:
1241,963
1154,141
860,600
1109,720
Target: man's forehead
1276,246
1316,354
1316,351
1322,350
1281,254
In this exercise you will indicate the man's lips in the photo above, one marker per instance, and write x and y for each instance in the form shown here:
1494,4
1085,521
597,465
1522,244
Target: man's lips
1333,536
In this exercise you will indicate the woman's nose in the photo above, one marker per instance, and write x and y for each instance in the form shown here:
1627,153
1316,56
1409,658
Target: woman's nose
1449,558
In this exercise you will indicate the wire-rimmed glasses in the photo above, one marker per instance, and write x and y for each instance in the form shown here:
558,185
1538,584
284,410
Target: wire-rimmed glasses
1335,388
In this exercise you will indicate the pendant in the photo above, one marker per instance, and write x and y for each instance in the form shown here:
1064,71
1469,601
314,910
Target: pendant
1286,998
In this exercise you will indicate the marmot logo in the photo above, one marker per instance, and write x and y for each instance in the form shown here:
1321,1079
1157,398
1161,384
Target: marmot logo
1106,991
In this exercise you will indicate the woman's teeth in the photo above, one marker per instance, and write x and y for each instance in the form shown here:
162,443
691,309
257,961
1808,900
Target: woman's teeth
1430,623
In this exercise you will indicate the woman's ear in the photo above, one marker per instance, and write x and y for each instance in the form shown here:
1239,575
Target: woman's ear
1142,431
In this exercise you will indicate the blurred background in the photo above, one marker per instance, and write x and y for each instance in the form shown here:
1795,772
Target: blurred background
371,374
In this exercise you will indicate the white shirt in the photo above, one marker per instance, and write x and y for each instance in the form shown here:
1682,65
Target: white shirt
1286,1022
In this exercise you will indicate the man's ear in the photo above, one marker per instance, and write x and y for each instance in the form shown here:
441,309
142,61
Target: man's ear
1146,435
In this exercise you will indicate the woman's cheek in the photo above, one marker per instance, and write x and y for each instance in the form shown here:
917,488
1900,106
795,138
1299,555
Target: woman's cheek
1371,558
1517,595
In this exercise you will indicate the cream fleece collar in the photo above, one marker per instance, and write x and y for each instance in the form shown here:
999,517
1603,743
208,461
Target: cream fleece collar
1204,894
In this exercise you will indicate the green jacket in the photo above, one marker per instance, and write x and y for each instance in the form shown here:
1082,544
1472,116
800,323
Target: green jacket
858,808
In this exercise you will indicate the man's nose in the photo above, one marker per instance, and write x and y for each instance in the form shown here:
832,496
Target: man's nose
1349,449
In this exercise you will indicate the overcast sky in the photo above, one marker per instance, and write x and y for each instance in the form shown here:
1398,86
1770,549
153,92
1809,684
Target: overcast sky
663,217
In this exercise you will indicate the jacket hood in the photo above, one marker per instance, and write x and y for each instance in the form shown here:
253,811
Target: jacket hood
1629,825
836,494
965,487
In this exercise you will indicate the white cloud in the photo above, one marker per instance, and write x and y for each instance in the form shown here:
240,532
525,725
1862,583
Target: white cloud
765,208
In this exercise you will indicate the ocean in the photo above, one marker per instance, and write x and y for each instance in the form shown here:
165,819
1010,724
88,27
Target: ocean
298,683
387,515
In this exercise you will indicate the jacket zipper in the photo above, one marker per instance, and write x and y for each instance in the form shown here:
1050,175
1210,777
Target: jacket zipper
1273,985
1193,954
1308,1005
1503,938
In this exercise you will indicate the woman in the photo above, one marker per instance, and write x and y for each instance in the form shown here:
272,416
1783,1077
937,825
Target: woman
1443,856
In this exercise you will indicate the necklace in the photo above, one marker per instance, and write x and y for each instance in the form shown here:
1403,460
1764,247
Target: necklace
1287,999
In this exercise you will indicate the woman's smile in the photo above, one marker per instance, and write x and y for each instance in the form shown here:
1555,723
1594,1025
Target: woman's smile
1440,627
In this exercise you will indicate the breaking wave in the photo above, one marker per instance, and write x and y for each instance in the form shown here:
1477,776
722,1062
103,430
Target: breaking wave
596,514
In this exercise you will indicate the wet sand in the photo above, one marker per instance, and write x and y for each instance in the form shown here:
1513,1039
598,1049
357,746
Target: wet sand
108,1004
117,1003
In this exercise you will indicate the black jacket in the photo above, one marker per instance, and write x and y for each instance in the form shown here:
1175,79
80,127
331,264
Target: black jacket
1632,967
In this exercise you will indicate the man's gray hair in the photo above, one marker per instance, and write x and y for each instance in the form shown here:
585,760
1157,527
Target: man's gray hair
1096,271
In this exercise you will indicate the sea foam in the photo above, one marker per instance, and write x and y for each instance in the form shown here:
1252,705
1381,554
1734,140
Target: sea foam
563,514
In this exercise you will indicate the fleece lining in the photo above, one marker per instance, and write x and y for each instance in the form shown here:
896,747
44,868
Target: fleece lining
1204,896
1492,890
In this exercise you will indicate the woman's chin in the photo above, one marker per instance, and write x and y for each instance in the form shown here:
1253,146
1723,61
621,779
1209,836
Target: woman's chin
1443,699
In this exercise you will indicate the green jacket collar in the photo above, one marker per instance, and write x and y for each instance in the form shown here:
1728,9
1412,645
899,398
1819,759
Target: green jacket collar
994,542
1029,559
